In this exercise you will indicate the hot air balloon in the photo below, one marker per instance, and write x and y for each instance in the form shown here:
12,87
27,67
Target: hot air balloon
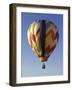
43,37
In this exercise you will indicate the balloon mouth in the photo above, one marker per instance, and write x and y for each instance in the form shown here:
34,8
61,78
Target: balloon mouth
42,59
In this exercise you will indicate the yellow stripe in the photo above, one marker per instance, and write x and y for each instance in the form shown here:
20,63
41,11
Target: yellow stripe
42,59
36,28
48,40
32,27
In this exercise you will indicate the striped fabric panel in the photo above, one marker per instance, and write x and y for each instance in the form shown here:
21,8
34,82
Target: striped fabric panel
52,44
34,37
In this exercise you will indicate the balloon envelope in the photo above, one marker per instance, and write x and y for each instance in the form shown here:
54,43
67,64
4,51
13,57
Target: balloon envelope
43,37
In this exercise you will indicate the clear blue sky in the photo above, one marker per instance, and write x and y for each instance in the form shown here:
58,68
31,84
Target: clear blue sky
30,64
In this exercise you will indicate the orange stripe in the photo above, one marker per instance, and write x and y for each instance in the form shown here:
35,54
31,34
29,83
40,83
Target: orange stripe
37,32
50,31
33,37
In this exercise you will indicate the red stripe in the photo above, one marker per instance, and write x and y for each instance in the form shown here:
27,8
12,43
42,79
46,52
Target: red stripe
56,36
50,49
52,35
